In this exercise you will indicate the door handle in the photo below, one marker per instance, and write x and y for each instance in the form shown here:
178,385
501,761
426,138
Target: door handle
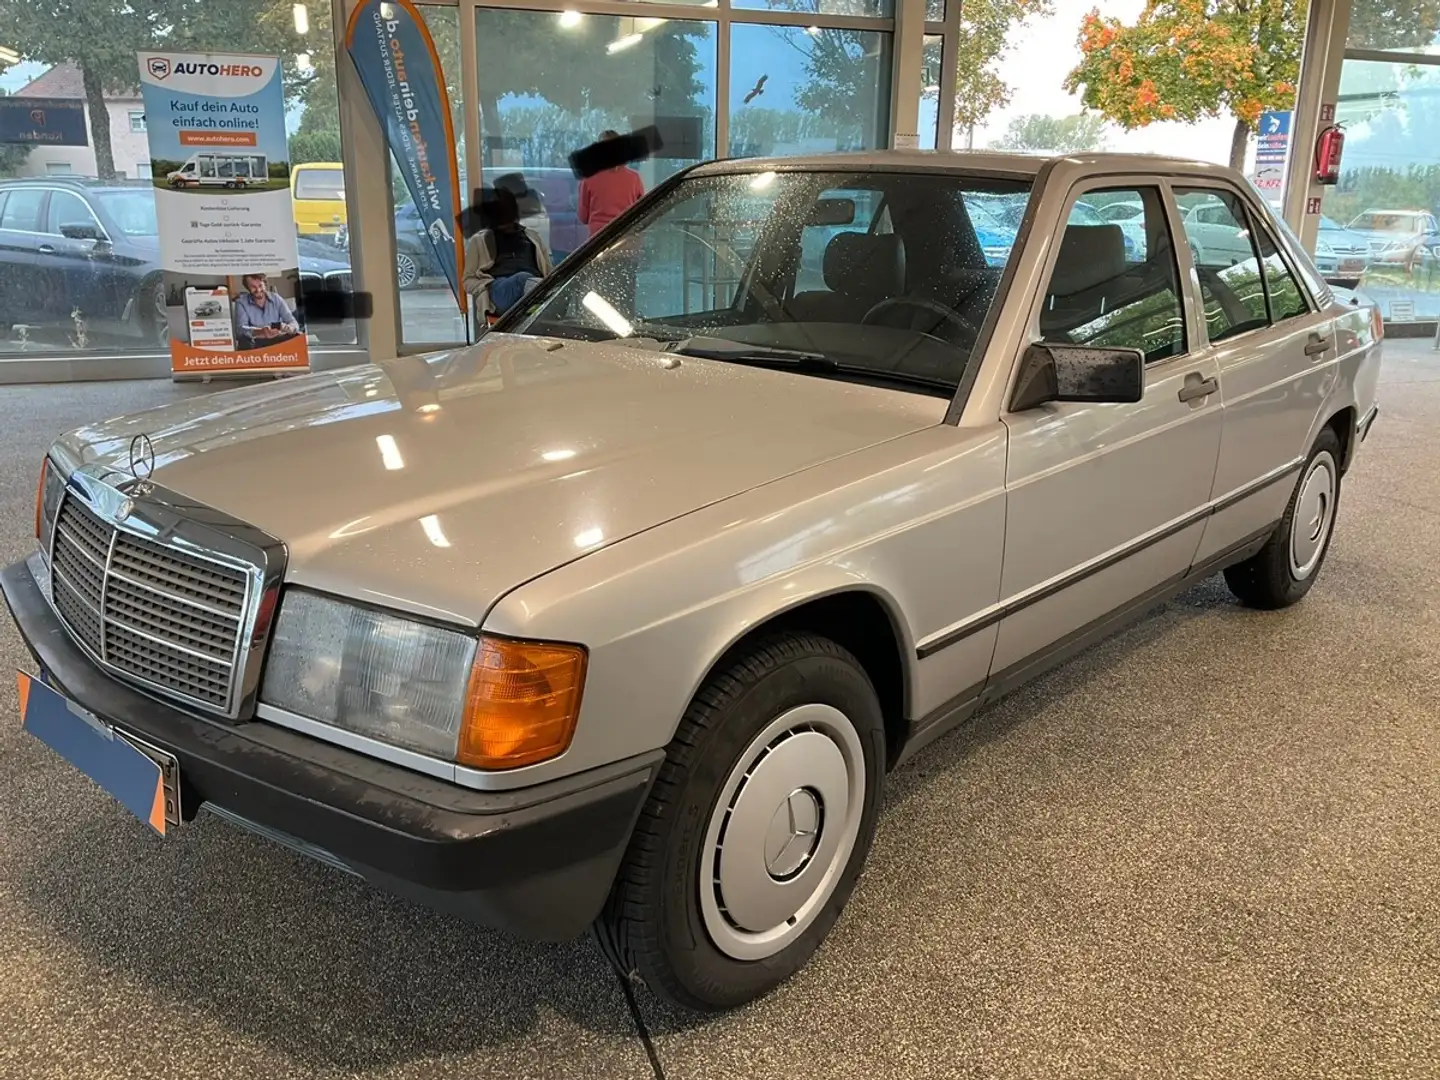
1198,388
1317,344
46,249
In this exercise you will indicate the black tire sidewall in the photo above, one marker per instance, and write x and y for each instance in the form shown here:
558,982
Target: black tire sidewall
704,972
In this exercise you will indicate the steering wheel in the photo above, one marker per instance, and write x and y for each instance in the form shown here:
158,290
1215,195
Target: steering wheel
967,336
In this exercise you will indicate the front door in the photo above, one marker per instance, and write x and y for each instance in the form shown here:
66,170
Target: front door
1106,502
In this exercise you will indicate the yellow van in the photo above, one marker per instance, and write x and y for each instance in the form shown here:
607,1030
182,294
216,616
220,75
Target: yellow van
317,189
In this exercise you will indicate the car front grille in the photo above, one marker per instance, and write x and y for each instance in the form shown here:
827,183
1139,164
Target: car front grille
164,617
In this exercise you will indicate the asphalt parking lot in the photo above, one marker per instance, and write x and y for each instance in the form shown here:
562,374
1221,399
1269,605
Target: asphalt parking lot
1208,847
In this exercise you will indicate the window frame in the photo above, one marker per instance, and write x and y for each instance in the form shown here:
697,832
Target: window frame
50,202
1257,228
1187,293
137,117
1257,220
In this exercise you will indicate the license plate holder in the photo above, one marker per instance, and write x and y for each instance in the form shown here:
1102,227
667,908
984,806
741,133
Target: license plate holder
141,777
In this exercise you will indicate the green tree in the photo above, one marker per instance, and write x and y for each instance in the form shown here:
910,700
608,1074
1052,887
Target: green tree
314,146
987,33
1059,134
101,37
1394,24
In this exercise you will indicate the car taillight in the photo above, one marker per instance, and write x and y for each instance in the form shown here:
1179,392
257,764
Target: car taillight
40,494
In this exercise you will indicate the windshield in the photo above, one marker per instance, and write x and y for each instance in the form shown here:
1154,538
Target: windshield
880,274
1396,223
133,212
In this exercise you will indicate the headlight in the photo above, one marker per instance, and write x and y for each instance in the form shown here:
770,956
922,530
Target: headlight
47,503
489,704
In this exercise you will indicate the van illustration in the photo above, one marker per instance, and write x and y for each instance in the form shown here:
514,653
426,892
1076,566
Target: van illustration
219,168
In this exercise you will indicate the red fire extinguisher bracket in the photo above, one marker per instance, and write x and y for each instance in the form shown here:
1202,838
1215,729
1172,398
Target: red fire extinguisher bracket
1329,149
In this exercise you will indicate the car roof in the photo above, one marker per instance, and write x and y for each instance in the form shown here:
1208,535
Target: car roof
990,161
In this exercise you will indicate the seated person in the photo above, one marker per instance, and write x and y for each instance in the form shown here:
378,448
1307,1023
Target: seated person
504,260
262,317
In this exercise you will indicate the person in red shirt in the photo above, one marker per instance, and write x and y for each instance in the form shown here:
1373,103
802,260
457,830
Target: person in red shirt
607,195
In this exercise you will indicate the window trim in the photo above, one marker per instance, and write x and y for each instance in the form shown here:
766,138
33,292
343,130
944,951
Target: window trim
44,229
1031,334
1257,219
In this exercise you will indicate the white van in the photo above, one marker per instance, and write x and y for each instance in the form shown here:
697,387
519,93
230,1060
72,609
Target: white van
220,168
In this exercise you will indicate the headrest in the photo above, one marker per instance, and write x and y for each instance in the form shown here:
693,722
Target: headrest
859,264
1089,255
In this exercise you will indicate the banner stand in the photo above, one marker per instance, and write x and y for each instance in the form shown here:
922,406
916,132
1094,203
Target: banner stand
220,168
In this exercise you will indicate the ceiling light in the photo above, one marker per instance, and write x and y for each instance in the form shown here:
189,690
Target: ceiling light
598,306
432,407
389,452
624,43
558,455
570,19
436,535
763,181
589,538
302,18
812,30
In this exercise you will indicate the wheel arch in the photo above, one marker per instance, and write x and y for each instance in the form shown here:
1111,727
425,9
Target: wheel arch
864,621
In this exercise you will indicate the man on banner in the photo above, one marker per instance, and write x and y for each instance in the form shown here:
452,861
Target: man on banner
262,317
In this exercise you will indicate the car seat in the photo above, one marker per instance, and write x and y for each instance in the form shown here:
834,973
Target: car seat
860,270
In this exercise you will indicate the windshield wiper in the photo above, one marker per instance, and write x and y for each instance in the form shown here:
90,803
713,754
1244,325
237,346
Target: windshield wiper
713,348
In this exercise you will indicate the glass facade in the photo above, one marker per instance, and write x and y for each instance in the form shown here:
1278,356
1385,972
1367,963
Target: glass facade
79,269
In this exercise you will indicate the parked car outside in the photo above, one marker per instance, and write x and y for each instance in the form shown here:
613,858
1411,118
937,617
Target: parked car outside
1341,255
1401,238
622,616
317,193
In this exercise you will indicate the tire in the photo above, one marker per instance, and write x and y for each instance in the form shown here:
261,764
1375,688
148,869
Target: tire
785,747
154,321
1283,571
407,270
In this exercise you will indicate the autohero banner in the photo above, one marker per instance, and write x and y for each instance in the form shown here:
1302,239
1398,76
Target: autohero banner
220,169
395,58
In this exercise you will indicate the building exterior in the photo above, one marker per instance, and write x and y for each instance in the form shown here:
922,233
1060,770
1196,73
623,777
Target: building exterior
127,129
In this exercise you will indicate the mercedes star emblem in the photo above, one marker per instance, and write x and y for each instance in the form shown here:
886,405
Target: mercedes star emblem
142,457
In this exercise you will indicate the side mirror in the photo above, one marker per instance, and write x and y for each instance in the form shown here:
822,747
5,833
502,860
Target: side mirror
80,231
1078,373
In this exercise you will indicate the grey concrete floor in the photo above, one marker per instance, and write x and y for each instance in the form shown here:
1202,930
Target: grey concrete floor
1208,847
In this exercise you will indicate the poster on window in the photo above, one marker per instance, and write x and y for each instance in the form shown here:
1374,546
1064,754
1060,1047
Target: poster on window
220,169
396,60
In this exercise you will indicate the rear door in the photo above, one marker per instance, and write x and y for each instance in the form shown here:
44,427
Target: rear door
1106,501
1275,352
25,282
84,268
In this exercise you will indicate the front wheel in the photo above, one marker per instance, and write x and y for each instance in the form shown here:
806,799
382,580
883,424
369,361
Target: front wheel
757,827
407,270
1283,571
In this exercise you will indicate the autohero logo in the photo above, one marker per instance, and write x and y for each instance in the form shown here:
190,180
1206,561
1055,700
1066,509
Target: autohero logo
159,67
194,67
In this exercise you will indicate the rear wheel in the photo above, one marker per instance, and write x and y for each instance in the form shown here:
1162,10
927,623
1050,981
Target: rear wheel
154,320
1283,571
756,829
407,270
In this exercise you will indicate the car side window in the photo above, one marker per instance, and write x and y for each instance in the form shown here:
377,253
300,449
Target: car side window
1115,287
1217,230
67,208
22,210
1286,298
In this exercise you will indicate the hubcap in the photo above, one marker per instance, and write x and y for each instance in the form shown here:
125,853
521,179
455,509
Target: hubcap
1314,517
782,831
405,270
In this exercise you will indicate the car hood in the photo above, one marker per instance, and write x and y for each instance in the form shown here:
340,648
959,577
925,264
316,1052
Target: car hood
1383,236
436,484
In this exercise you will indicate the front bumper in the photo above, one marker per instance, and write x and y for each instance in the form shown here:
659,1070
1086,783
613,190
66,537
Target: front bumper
536,861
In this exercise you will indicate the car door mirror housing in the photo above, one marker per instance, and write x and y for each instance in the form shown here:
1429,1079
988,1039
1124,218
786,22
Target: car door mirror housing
1079,373
77,230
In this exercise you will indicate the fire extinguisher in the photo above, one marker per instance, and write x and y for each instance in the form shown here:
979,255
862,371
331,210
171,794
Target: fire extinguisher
1328,151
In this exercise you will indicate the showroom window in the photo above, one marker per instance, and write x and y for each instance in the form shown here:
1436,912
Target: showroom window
1379,222
106,306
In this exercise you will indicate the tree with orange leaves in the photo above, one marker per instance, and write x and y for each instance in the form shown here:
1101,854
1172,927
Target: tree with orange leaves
1193,60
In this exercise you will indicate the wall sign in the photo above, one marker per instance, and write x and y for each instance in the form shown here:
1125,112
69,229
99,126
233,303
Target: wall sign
220,169
43,121
1271,149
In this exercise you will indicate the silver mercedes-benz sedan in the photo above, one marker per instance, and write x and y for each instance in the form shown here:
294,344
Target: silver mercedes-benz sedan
622,616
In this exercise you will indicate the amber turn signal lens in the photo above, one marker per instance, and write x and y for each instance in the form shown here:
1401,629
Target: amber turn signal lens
522,704
40,494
